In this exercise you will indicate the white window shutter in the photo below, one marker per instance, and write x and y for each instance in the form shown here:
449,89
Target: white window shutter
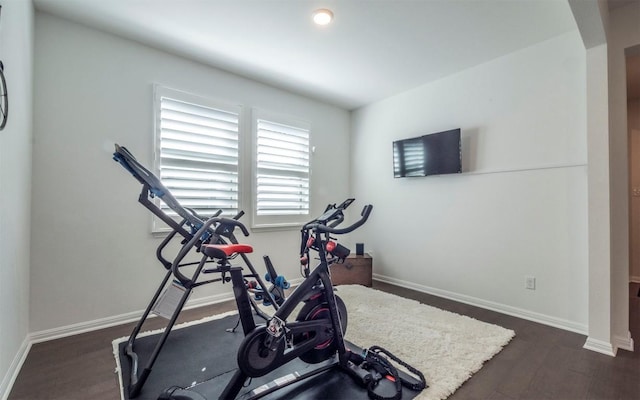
198,152
283,169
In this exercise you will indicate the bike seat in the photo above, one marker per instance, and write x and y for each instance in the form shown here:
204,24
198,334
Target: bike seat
222,251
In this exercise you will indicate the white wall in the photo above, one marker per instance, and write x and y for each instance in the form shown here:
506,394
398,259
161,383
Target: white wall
521,207
593,22
95,257
16,52
599,204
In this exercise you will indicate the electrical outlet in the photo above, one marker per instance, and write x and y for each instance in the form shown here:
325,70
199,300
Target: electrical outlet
530,282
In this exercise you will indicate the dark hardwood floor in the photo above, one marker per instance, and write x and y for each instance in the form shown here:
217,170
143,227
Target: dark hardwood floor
540,362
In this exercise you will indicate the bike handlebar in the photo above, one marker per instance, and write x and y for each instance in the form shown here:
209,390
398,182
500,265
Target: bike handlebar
336,222
320,228
223,224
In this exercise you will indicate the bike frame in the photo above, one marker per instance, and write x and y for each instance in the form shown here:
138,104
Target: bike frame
279,341
305,291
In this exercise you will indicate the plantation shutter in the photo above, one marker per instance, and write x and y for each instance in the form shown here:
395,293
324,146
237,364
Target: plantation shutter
199,155
282,178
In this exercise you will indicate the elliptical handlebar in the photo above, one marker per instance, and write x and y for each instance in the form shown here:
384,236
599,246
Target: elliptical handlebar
224,227
153,187
202,217
321,228
224,223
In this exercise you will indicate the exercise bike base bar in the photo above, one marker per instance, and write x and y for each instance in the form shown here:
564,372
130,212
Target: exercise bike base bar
283,382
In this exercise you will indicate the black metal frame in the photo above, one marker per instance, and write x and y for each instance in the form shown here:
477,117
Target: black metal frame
302,293
194,230
317,281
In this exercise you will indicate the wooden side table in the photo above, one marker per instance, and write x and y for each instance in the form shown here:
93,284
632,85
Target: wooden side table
355,270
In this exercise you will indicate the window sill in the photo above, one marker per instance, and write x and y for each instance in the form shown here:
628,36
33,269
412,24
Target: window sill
290,226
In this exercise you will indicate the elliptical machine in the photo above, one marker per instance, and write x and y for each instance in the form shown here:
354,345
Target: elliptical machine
192,231
316,336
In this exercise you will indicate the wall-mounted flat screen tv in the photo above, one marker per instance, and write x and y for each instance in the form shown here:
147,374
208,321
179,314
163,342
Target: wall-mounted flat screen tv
433,154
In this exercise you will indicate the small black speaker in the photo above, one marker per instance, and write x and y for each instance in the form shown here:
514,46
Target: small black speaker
359,249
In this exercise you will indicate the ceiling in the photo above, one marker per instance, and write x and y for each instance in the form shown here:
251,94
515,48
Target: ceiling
372,50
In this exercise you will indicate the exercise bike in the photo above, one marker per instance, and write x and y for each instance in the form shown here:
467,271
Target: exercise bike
316,336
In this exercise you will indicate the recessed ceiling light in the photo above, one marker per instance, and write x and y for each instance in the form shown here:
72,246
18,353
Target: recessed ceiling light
322,16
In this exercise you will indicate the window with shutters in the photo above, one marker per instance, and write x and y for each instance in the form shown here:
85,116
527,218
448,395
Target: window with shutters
196,152
282,171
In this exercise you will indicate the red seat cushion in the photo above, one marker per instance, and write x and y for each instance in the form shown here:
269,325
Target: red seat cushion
218,250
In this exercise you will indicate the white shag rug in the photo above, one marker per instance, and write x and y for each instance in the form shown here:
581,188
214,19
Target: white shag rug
446,347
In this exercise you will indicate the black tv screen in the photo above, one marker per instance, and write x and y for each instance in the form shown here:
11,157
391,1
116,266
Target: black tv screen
433,154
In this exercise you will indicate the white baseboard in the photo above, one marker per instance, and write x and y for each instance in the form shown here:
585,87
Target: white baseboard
88,326
623,342
83,327
490,305
11,375
600,346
